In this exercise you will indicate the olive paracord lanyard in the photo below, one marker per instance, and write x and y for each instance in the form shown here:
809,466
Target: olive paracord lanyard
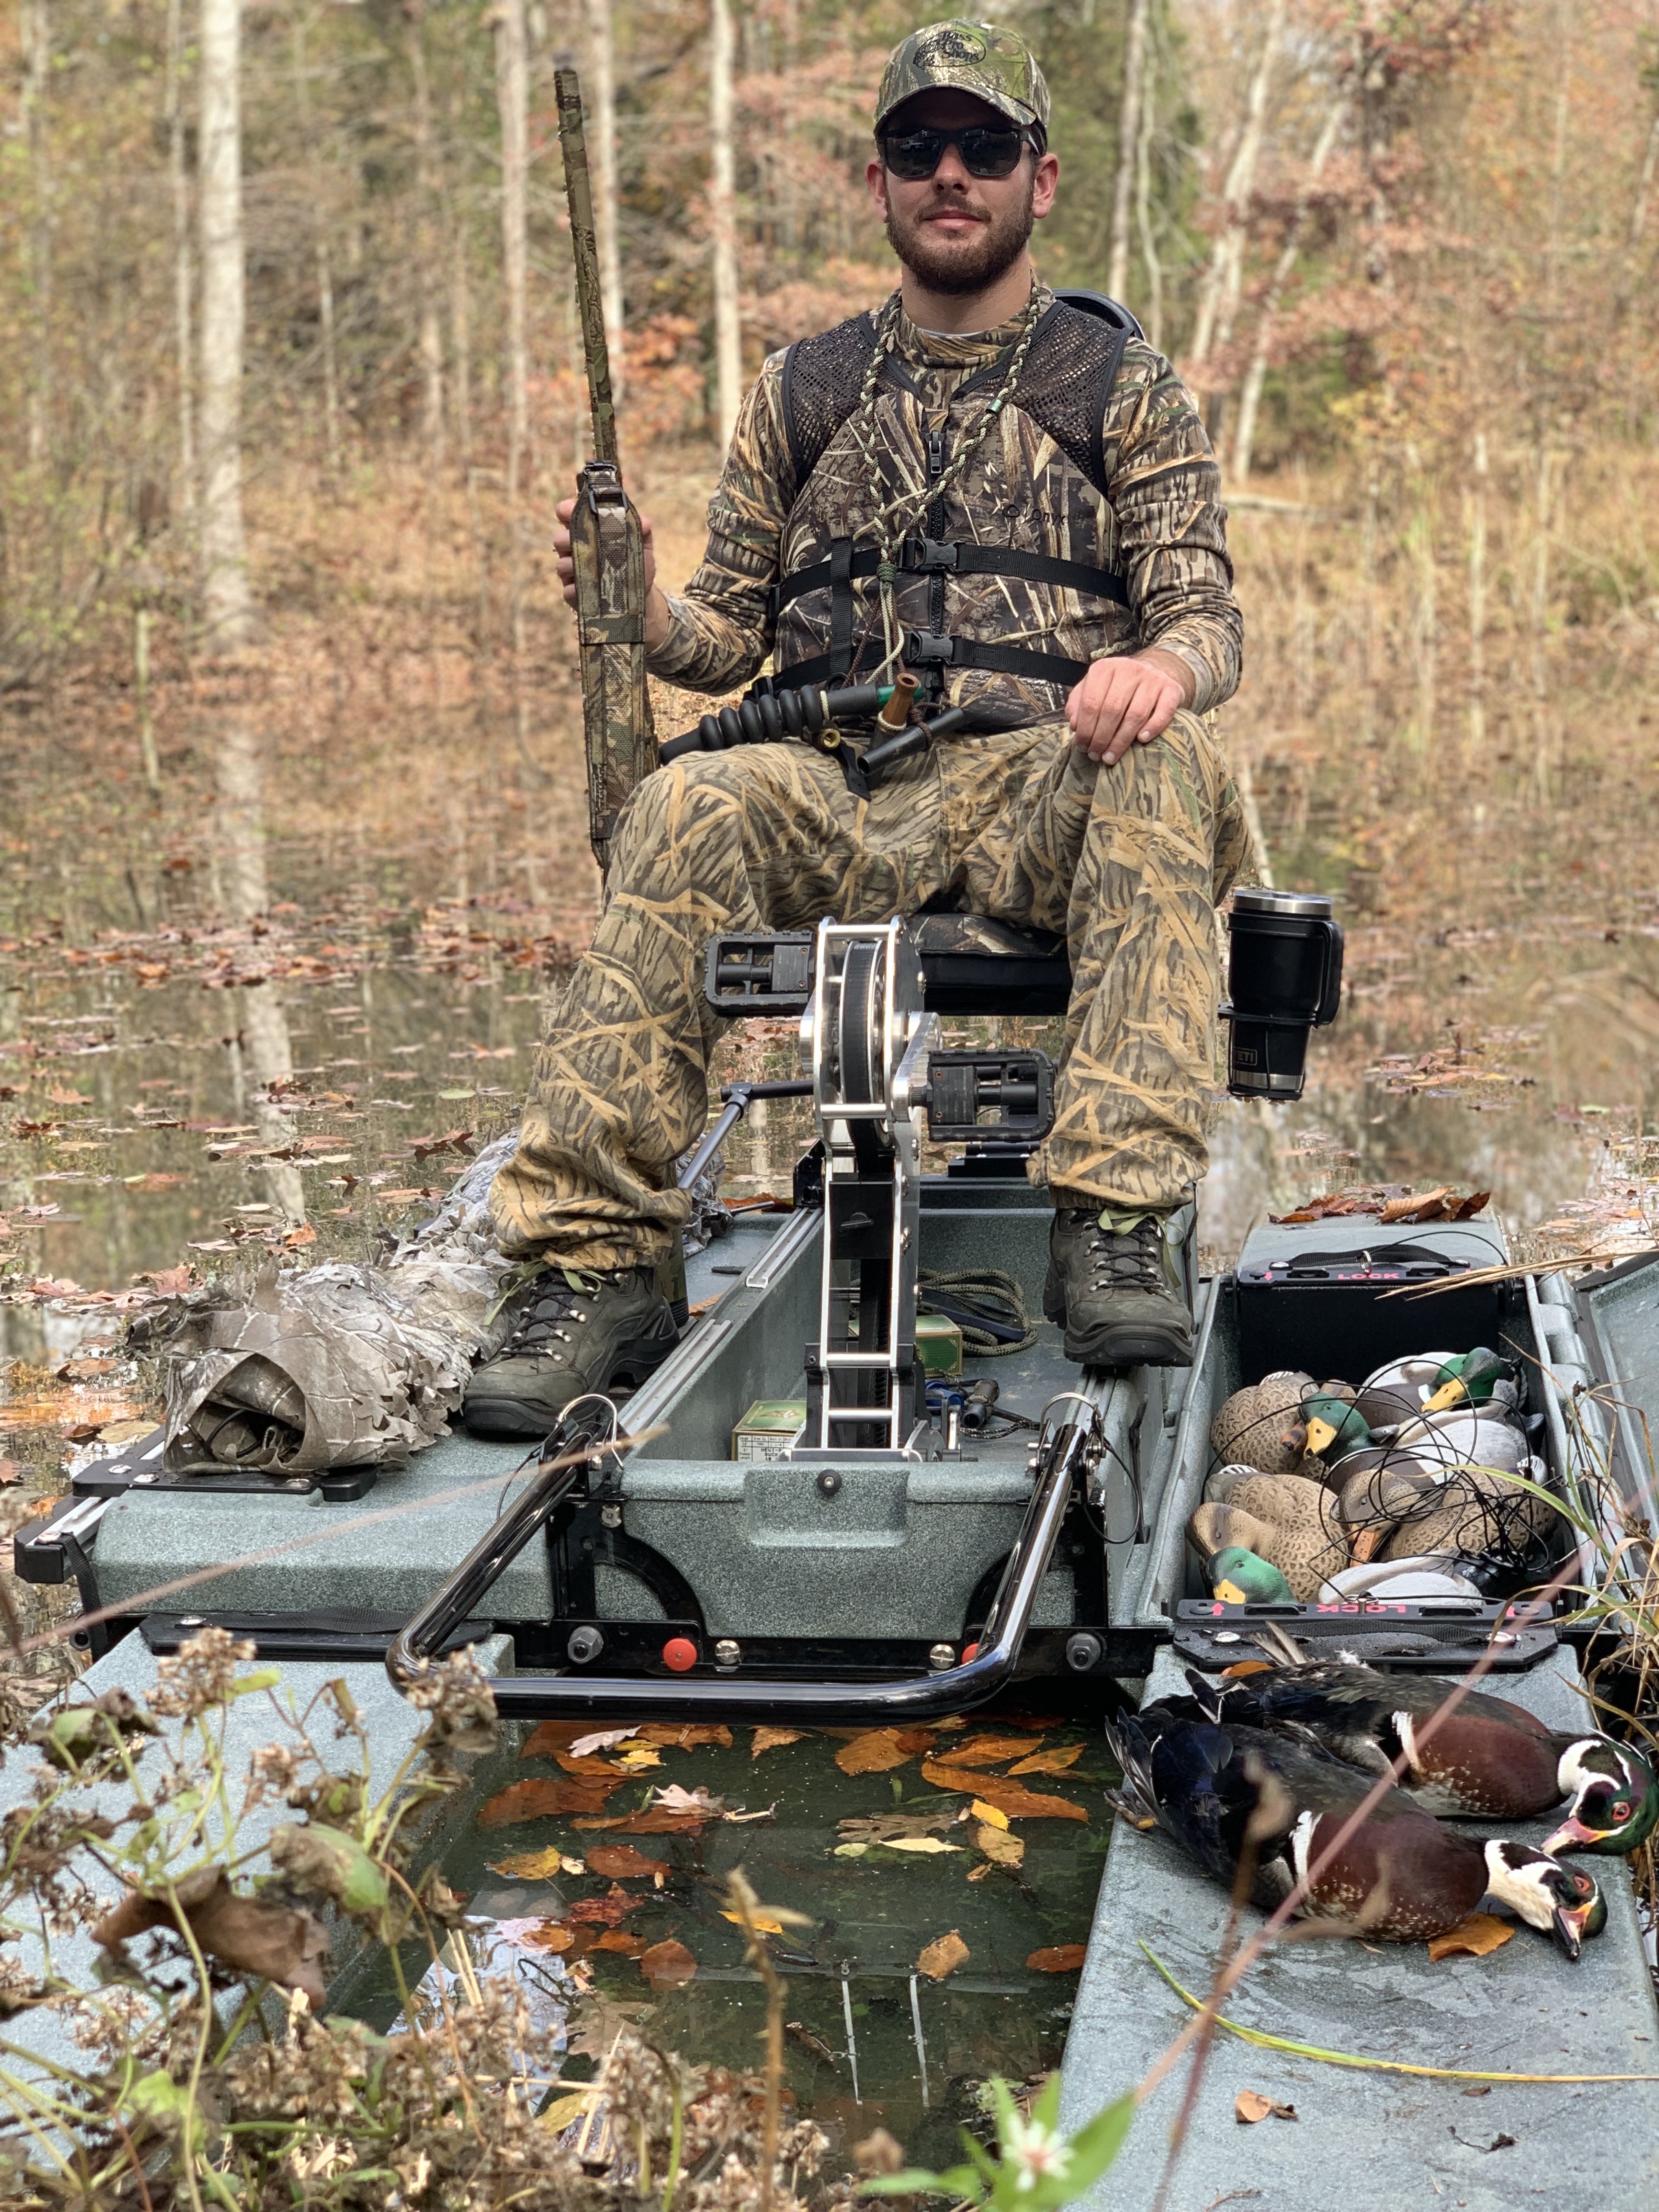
894,521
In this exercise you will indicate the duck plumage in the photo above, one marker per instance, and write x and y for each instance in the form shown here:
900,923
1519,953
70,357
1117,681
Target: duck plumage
1261,1425
1402,1876
1489,1758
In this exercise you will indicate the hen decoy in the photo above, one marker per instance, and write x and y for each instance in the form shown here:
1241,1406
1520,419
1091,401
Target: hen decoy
1261,1425
1402,1876
1488,1759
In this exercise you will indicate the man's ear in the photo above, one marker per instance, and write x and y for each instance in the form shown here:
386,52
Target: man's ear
875,176
1044,185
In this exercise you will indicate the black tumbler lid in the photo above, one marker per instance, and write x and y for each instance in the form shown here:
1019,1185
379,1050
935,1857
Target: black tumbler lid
1256,898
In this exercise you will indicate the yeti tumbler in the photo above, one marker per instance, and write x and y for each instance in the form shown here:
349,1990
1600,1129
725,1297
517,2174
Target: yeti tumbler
1285,974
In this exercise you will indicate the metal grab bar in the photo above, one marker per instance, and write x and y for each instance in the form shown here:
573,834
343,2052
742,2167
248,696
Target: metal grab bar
924,1697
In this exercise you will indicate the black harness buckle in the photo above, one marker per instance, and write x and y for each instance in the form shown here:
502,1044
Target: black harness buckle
927,555
928,648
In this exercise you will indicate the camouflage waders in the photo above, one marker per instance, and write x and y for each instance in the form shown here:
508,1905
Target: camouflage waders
1129,862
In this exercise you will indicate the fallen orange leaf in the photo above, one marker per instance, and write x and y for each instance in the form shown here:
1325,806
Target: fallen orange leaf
655,1821
553,1736
1475,1937
1249,2106
1049,1762
686,1735
615,1938
1059,1958
1010,1797
985,1750
665,1965
998,1845
773,1739
943,1957
873,1753
621,1862
533,1800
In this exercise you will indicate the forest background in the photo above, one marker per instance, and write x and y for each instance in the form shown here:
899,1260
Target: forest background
292,385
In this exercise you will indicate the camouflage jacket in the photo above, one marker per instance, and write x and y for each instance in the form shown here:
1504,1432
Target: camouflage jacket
1159,522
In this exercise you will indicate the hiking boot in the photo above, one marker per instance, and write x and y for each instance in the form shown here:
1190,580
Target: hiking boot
1112,1284
578,1330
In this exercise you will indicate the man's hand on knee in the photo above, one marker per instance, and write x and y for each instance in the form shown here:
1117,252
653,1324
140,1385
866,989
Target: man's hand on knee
1127,701
656,607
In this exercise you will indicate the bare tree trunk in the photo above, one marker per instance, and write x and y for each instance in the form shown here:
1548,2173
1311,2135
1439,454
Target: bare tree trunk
178,180
320,250
1250,399
227,602
36,28
1638,212
460,334
512,100
1477,723
430,337
723,223
1129,146
1543,747
1426,619
245,893
607,196
1149,252
1219,291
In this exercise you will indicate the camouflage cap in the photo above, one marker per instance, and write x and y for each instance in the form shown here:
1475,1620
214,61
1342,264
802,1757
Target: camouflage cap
994,64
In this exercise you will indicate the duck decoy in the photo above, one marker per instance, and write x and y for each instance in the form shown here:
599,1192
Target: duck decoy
1468,1436
1489,1758
1261,1425
1335,1427
1474,1378
1238,1576
1398,1391
1402,1876
1284,1518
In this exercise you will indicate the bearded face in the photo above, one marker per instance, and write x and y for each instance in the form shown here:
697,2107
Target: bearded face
951,237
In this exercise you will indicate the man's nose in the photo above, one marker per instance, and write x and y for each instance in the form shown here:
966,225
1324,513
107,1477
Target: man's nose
951,174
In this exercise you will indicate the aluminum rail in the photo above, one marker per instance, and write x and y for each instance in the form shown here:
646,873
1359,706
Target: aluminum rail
1065,1454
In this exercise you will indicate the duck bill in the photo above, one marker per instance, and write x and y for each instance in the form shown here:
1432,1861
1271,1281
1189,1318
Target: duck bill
1448,1395
1321,1436
1366,1546
1568,1926
1572,1834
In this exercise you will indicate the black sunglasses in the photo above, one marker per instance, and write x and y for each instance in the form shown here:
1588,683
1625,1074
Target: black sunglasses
988,149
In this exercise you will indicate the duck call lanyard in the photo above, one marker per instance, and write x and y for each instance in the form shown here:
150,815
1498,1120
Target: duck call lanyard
895,521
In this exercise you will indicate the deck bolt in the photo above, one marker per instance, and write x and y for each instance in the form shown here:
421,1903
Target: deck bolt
191,1620
610,1517
727,1651
941,1656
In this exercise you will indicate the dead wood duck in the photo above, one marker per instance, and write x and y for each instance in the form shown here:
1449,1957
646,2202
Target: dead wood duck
1489,1759
1402,1876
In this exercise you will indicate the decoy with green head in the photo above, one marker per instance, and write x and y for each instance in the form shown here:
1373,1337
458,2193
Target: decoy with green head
1473,1378
1335,1427
1238,1576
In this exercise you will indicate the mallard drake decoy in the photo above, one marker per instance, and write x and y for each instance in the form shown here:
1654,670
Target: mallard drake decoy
1335,1427
1261,1425
1238,1576
1398,1391
1488,1759
1402,1876
1474,1378
1466,1436
1285,1518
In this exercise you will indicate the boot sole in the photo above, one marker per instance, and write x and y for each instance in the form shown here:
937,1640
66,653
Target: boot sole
634,1359
1128,1345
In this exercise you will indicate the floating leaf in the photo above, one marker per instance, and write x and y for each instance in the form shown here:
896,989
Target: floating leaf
549,1935
1475,1937
621,1862
666,1964
990,1816
673,1798
1059,1958
922,1843
539,1866
533,1801
1010,1797
873,1753
1050,1762
943,1957
984,1751
604,1912
773,1739
882,1827
997,1844
686,1735
655,1821
554,1735
763,1925
617,1939
601,1740
1249,2106
574,1763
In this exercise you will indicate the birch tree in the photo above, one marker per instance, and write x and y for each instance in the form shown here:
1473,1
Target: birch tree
227,602
723,223
1128,147
183,307
1223,279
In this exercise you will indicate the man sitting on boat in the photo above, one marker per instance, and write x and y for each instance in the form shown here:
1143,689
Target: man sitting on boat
1001,491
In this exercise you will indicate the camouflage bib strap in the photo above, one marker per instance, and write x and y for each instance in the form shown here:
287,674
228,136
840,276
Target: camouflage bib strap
610,562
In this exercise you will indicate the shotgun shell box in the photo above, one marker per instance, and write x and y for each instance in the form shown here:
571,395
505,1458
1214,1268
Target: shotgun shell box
939,1344
768,1428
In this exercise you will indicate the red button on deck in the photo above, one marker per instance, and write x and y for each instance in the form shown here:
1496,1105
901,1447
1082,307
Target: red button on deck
680,1653
970,1653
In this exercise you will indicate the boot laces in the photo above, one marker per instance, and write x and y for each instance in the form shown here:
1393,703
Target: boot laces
543,1325
1128,1260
